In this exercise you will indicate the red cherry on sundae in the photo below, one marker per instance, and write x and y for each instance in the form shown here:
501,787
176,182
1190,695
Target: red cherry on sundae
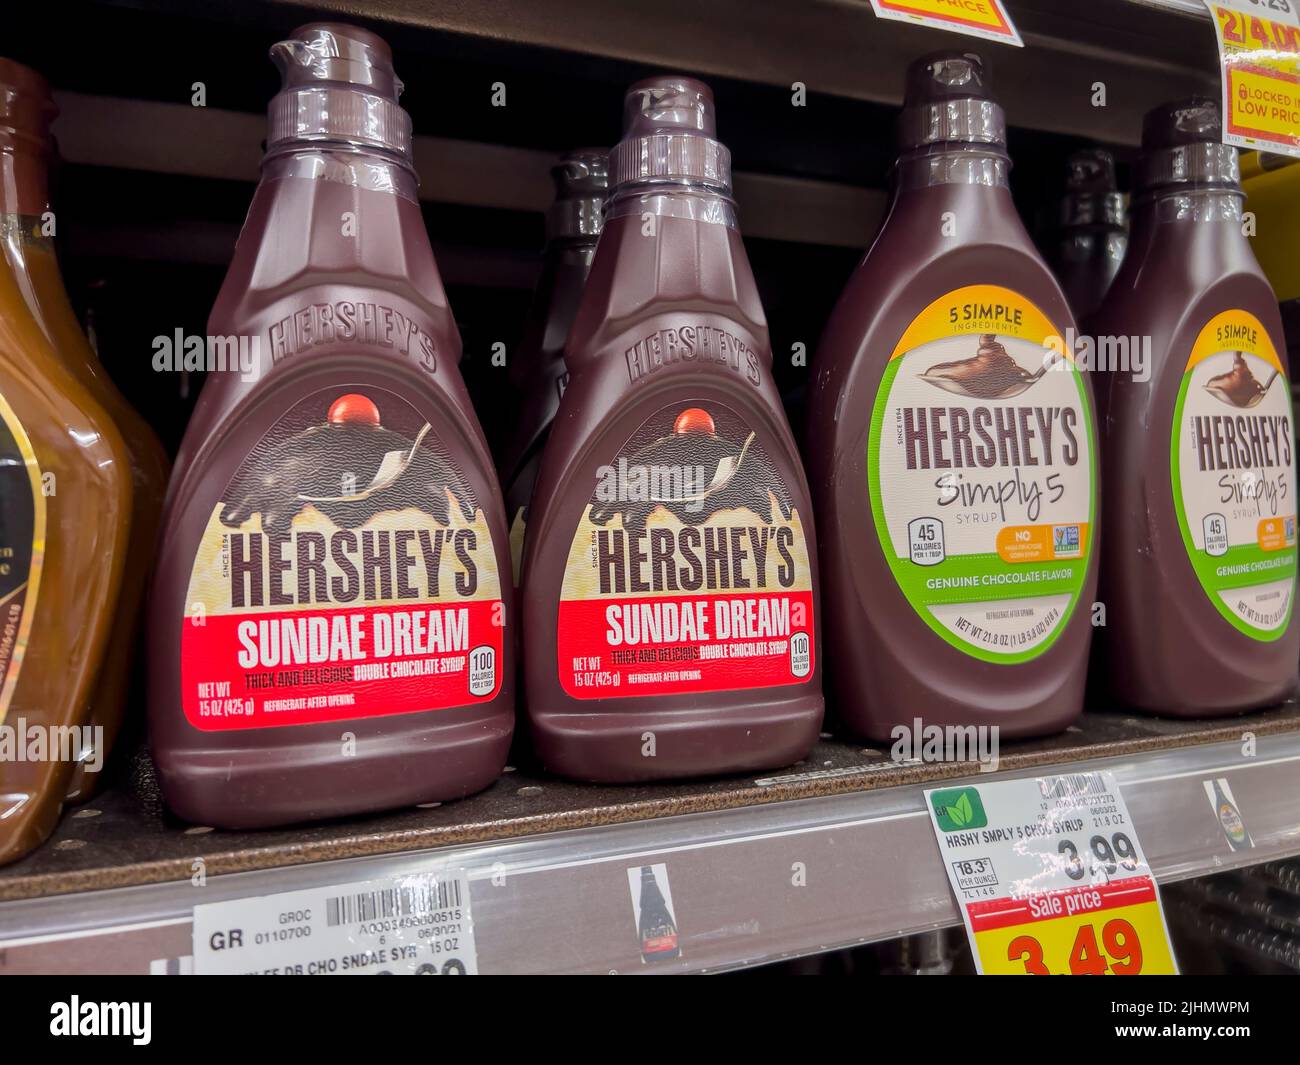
694,420
353,409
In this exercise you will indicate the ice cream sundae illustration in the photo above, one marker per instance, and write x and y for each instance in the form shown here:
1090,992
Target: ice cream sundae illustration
1239,387
349,468
988,374
694,472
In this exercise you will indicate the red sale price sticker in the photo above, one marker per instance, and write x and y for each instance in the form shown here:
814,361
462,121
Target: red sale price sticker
1259,51
1050,877
987,19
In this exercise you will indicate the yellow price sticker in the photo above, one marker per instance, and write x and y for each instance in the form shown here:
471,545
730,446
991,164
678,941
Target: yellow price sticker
1123,941
1260,57
978,18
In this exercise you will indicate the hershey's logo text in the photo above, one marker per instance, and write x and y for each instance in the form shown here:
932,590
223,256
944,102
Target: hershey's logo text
705,343
692,558
369,565
1242,441
943,438
346,321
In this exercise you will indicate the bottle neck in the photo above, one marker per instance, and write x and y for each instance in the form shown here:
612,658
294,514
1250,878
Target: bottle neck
967,165
24,182
671,200
345,165
1192,205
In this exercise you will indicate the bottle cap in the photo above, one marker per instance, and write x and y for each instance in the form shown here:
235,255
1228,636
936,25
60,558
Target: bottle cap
338,84
947,100
1181,146
581,184
669,135
1092,195
26,107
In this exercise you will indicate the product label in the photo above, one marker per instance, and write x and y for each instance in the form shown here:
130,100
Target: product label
987,19
1232,465
417,925
346,572
1050,878
689,569
1259,52
22,547
982,473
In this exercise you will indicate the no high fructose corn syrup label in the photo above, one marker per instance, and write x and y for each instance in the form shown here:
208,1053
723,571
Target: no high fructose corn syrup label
1232,468
347,571
982,473
22,547
689,570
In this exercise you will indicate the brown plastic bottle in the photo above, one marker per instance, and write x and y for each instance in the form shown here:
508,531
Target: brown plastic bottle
669,580
1199,556
327,626
954,473
64,518
1093,233
29,251
537,373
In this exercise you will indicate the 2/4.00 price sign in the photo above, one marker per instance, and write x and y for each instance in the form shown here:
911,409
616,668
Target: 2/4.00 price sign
1050,877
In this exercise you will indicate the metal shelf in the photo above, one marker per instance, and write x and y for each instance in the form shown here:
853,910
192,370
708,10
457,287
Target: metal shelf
547,860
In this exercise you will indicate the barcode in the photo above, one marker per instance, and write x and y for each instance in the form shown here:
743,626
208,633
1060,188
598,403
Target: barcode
392,902
1072,785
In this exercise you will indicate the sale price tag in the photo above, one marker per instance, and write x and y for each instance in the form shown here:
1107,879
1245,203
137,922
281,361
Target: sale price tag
1050,877
976,18
1259,52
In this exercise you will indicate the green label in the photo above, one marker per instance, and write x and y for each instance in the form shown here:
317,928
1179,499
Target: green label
1232,470
957,809
982,474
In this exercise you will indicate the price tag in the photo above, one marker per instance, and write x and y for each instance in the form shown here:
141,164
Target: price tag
976,18
1259,51
1050,877
418,925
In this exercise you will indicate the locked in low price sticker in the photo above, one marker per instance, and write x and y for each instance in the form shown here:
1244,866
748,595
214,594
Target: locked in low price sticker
1259,52
987,19
1050,877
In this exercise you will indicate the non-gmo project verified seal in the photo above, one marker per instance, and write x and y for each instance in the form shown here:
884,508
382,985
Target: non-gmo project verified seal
1066,542
958,808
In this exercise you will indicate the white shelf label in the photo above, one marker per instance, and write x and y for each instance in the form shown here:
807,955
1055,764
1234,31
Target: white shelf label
408,925
1050,877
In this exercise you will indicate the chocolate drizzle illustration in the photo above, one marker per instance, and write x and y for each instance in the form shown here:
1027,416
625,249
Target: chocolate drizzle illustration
350,468
988,374
734,474
1239,387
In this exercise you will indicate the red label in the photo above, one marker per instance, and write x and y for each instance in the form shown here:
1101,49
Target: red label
989,914
668,645
346,572
689,571
303,667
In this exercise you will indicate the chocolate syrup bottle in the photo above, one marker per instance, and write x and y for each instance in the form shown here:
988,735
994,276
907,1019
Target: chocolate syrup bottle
656,927
327,626
669,579
1200,549
1093,233
537,373
951,446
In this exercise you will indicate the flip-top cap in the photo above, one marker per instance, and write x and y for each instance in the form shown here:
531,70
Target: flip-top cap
947,100
669,135
1181,146
581,184
338,84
